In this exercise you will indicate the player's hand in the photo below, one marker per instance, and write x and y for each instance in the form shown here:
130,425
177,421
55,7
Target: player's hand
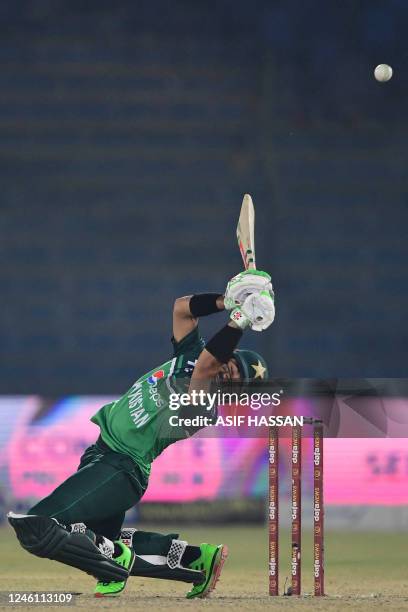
244,284
257,312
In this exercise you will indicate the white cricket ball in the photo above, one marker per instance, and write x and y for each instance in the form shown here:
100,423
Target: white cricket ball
383,73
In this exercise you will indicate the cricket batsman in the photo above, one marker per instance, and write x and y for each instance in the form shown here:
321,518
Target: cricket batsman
80,522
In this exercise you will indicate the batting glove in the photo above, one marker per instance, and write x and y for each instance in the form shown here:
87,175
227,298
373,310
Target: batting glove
257,312
244,284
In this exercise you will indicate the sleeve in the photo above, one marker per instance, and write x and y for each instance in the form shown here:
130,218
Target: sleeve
190,343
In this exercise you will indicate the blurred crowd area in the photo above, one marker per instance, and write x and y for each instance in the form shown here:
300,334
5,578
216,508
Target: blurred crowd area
128,134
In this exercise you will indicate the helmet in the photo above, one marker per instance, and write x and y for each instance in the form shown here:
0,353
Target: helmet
251,365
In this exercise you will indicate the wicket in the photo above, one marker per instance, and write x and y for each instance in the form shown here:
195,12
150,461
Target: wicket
296,509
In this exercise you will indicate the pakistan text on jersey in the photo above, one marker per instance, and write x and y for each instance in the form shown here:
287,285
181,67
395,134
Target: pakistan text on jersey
137,412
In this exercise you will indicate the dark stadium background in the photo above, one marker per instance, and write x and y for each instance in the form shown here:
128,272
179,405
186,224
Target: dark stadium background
129,132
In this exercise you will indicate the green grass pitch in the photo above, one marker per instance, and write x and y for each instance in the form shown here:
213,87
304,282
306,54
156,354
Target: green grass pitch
363,571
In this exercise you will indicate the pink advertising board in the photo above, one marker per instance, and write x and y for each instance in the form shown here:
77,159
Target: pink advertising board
41,443
366,471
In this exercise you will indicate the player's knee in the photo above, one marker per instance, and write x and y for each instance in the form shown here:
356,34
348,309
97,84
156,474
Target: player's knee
45,537
39,535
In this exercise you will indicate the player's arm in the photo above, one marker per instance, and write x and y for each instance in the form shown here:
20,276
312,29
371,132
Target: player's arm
216,353
188,309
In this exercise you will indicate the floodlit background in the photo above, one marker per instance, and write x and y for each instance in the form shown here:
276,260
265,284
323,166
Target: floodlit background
129,132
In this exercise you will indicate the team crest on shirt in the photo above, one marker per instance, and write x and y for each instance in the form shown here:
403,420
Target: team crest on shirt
152,380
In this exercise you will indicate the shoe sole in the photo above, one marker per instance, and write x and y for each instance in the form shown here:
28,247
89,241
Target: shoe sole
221,557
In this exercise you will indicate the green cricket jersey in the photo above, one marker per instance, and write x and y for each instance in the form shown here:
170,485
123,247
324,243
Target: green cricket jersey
137,424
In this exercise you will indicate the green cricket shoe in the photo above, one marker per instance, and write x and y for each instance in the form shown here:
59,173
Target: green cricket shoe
113,589
210,561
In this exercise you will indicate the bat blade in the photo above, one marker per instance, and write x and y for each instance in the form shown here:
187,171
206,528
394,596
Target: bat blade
245,232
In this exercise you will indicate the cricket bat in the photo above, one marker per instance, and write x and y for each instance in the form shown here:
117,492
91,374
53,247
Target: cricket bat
245,233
